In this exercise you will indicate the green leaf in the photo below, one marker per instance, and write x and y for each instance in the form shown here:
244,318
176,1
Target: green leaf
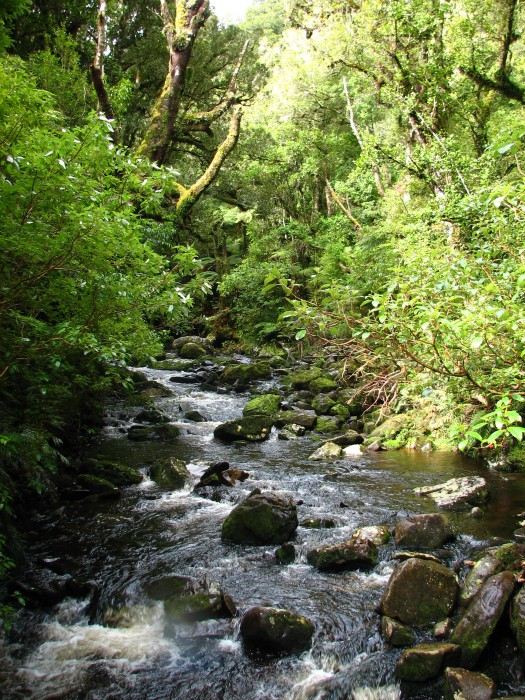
476,342
516,431
300,334
493,437
463,445
475,435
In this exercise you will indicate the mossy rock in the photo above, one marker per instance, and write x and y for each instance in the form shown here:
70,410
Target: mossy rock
263,405
192,351
322,404
517,619
170,586
515,460
171,474
306,419
115,472
341,411
350,554
245,373
153,416
191,608
97,485
328,424
322,385
164,432
175,365
253,428
420,592
391,428
396,633
302,378
426,661
277,631
285,554
317,523
510,555
262,518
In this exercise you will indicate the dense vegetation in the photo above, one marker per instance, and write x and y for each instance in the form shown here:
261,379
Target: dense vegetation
343,175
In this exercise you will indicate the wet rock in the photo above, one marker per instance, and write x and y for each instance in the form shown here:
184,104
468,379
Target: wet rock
322,385
351,437
306,419
420,592
517,619
245,373
473,630
152,415
477,513
291,432
317,523
204,344
396,633
225,477
350,554
426,661
327,451
195,416
511,555
322,404
117,473
378,534
460,683
165,587
170,474
261,518
443,628
457,494
302,379
164,432
403,556
285,554
263,405
328,424
374,446
277,630
426,531
250,428
97,485
203,605
192,351
186,378
486,567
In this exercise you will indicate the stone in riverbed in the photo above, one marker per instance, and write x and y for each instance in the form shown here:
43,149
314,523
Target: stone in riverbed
420,592
426,531
250,428
460,683
170,474
328,424
306,419
426,661
378,534
277,630
457,494
327,451
263,405
478,622
261,518
396,633
350,554
486,567
163,432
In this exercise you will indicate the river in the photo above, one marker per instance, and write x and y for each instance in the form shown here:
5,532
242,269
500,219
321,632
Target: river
136,653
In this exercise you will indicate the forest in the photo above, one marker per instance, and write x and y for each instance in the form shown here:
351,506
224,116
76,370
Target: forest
339,179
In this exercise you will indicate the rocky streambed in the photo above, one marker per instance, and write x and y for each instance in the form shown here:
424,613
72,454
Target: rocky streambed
229,536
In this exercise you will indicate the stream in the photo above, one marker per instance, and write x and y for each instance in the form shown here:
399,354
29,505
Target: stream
136,653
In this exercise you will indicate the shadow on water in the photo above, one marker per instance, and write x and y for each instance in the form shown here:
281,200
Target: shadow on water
149,532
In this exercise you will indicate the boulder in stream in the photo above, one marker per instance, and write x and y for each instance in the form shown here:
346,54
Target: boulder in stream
306,419
263,405
396,633
426,531
277,630
420,592
350,554
487,566
426,661
473,630
460,683
250,428
517,619
163,432
327,451
170,474
261,518
457,494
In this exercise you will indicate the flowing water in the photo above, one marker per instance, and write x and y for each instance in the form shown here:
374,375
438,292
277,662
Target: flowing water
66,652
